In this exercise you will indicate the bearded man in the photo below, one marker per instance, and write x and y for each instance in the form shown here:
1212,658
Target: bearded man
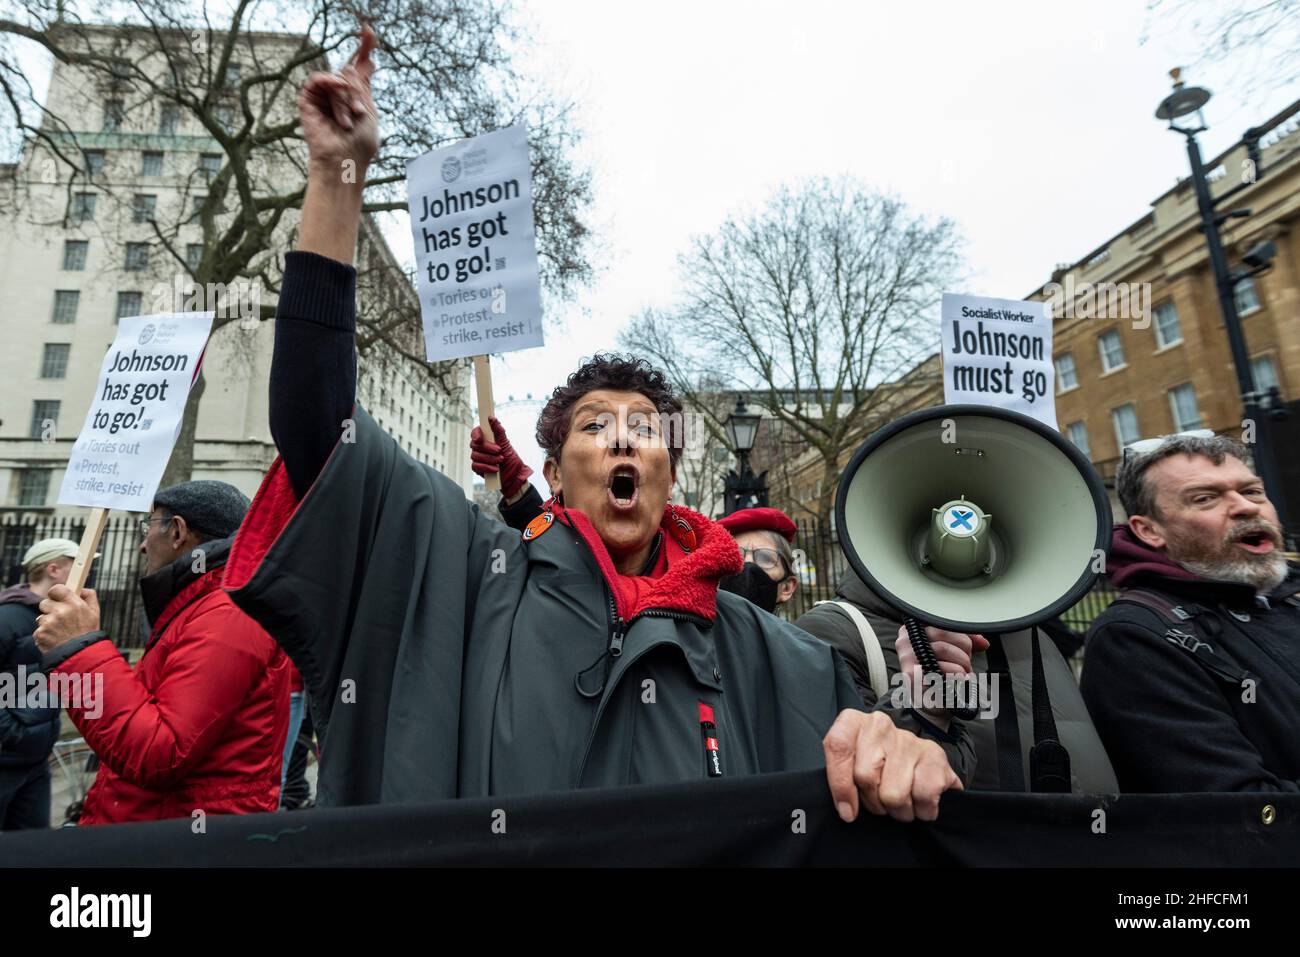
1192,675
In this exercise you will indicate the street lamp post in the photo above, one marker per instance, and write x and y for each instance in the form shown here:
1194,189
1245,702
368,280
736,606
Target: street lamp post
742,488
1186,101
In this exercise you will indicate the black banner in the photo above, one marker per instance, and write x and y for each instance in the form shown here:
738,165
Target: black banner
766,820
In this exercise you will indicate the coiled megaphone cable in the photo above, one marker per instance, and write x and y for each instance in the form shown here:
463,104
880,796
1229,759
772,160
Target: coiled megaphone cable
927,659
921,646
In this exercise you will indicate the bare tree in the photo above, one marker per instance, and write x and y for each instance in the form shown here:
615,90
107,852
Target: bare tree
1261,38
230,75
807,306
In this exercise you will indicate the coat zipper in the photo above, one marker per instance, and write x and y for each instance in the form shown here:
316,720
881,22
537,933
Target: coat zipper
605,692
622,627
618,629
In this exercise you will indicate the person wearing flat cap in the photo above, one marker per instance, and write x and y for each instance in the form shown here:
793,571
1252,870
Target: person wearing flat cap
764,536
200,723
28,734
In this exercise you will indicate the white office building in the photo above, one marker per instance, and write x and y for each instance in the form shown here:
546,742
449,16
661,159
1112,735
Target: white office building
77,255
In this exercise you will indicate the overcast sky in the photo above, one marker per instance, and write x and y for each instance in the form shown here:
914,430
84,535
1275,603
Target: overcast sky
1029,124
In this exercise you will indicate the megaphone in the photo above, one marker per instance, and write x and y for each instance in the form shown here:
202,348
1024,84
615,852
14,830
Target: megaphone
973,518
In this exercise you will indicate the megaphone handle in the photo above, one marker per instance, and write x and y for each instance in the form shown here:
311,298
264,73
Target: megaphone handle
926,657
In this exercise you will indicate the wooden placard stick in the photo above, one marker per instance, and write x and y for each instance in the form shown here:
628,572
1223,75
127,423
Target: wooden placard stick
86,552
486,409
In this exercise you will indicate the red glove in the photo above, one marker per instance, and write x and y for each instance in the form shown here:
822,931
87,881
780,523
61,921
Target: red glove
498,458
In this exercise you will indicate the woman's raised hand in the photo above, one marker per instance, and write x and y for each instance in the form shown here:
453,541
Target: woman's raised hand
339,120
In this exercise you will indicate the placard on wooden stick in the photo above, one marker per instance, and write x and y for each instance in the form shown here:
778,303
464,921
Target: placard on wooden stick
471,208
85,552
486,409
134,418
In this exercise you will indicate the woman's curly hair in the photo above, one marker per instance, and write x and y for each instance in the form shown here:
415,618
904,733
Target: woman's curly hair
617,372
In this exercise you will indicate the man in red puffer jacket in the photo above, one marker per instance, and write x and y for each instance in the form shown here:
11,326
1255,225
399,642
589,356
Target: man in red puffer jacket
200,724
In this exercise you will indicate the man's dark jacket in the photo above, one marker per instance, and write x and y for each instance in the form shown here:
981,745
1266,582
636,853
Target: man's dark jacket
1090,769
26,734
443,651
1170,723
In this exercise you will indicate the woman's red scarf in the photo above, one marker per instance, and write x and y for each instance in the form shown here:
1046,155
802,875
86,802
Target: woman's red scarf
693,554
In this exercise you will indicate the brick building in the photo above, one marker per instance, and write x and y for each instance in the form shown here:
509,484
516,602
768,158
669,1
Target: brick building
1139,342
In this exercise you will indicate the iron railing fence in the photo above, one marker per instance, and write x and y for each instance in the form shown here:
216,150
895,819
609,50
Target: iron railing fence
114,575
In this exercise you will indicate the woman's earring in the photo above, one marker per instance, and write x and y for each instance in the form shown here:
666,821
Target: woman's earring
681,529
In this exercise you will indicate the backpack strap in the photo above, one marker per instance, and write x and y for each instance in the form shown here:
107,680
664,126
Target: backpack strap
1181,630
1166,609
1006,723
877,672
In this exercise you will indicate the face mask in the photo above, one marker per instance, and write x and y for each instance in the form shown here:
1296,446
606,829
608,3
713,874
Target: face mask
754,585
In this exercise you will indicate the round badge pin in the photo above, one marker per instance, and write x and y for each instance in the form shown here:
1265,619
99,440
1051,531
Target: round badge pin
538,526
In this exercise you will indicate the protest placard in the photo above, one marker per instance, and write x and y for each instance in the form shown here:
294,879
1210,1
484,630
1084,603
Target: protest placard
999,352
471,208
133,420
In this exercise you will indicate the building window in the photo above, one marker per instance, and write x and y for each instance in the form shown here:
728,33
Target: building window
128,305
65,305
112,116
1112,351
33,487
1168,331
1246,296
83,207
137,256
1066,378
225,116
1125,420
151,164
196,208
142,208
94,162
1182,401
74,254
231,79
193,256
209,166
1077,433
1265,373
169,115
43,411
54,360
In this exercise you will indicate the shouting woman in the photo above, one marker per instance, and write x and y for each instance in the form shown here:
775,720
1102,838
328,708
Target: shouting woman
447,655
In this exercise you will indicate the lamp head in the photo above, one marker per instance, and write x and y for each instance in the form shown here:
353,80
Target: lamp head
1183,101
